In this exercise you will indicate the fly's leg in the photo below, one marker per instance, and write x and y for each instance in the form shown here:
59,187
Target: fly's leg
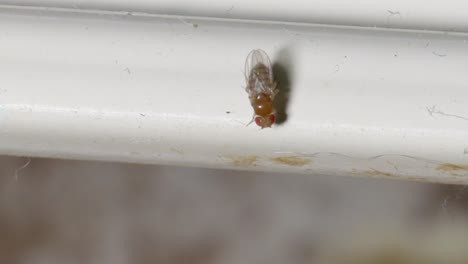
251,121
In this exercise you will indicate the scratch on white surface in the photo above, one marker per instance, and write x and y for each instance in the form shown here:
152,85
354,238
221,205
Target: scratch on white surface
337,68
28,161
295,34
433,110
394,166
187,23
392,14
439,54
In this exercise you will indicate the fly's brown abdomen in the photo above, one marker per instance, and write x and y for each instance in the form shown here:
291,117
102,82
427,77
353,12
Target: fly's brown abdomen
262,105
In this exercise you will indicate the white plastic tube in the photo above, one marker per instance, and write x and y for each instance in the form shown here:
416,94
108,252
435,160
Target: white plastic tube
169,90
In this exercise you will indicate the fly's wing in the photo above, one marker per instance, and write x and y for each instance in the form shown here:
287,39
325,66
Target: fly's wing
258,73
255,57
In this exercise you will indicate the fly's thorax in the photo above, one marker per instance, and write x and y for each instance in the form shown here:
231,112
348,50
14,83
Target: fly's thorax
260,74
262,104
261,71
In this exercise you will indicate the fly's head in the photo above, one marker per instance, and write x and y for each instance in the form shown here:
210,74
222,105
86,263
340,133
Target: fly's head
264,122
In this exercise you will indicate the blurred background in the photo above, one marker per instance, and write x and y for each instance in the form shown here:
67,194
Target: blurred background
62,211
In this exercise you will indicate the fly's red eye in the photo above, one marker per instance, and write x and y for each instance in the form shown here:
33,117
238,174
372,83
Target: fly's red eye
272,119
259,121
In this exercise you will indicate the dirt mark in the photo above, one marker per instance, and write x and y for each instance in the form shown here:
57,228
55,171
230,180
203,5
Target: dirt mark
292,160
450,167
374,172
244,161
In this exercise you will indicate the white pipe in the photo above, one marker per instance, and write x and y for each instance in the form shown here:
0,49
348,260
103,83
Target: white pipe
169,90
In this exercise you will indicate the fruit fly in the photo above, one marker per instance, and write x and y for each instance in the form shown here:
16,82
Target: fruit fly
261,87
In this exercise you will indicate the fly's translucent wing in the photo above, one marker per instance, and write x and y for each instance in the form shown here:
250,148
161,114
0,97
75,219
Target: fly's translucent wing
255,57
259,75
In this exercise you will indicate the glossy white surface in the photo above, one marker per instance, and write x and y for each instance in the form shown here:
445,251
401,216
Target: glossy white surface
448,15
168,90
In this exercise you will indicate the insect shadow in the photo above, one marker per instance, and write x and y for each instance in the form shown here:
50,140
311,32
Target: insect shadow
283,71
